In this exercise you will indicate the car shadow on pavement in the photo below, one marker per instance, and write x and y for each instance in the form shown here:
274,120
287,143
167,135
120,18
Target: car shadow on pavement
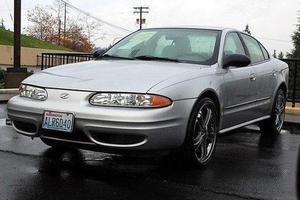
298,175
112,167
55,159
243,157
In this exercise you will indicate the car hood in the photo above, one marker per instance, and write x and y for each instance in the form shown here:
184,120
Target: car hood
110,75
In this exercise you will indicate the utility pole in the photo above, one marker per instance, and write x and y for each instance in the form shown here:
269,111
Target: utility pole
65,21
59,25
141,10
59,22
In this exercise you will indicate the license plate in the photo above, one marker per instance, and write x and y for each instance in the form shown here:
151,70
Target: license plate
58,121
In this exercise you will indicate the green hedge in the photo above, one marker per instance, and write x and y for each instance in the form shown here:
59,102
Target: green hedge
7,38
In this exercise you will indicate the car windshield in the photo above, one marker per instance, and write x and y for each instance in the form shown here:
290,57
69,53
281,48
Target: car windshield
180,45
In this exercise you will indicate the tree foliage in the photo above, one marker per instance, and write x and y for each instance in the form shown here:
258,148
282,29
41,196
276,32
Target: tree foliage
247,29
43,24
2,23
295,53
281,55
46,26
75,38
274,54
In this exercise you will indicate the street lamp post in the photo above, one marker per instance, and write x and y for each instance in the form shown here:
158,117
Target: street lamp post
17,39
16,74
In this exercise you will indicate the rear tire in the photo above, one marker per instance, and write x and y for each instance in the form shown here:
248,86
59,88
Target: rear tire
273,125
200,142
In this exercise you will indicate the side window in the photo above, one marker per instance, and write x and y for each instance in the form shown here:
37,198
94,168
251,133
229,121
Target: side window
265,52
233,45
255,52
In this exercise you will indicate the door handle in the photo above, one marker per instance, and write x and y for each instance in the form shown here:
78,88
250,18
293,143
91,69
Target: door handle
252,77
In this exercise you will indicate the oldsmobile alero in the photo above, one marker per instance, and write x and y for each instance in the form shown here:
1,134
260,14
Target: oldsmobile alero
157,89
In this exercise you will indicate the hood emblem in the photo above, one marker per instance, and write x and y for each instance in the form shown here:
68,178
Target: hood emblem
64,95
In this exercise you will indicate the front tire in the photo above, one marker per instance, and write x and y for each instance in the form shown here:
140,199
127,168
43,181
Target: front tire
200,142
273,125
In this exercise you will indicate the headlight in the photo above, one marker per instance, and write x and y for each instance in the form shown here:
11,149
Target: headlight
129,100
33,92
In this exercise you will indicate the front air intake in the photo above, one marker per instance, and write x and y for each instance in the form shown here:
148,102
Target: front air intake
117,139
25,126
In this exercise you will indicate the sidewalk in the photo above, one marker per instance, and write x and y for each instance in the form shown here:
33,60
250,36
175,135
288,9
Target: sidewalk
292,110
292,114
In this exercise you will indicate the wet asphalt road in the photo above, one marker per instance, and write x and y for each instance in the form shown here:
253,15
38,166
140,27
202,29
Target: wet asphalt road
245,166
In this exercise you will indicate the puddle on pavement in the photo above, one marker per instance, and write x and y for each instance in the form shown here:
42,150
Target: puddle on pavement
2,122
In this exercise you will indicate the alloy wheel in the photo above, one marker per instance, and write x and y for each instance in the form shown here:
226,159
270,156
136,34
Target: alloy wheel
279,111
205,129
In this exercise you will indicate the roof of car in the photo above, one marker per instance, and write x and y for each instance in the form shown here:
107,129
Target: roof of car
196,27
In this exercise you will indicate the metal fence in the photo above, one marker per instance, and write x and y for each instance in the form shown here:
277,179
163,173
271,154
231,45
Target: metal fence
47,60
294,80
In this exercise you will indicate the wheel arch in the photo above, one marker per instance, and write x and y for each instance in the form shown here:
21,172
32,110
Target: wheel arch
210,93
284,87
213,95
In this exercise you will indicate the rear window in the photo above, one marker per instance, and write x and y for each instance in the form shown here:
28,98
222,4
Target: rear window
255,52
265,52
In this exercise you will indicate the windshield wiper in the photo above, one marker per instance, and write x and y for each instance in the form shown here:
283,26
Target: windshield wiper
155,58
116,57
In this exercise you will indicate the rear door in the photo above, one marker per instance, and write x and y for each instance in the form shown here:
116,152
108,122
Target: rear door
265,74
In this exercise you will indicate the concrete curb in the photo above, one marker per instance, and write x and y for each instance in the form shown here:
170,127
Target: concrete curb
9,91
292,110
6,94
289,124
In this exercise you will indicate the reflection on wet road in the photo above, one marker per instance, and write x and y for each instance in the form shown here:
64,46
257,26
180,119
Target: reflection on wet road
245,166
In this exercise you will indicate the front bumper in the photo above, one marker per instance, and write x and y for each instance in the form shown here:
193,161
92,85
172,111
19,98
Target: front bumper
157,129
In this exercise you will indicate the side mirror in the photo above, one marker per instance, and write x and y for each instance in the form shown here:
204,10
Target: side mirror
97,52
236,60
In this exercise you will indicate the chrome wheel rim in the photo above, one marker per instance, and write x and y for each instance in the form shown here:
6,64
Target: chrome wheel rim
279,111
205,132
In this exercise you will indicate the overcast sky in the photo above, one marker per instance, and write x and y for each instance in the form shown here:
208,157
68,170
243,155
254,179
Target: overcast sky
271,21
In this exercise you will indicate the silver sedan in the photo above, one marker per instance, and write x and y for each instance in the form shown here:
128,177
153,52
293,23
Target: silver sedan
160,89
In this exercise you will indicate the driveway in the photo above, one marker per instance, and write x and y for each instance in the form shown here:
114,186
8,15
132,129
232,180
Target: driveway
245,166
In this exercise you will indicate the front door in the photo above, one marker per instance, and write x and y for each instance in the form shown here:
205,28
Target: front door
239,90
